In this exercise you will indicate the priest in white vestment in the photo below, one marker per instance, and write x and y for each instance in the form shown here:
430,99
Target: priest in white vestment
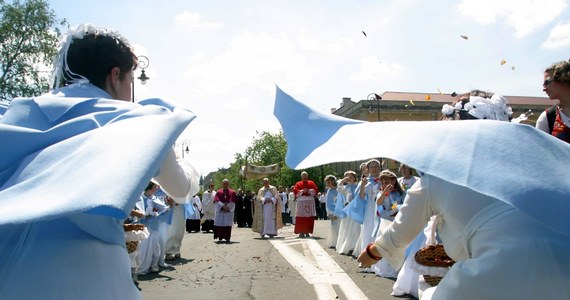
267,219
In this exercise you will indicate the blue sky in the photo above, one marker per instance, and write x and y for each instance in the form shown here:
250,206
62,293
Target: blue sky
222,59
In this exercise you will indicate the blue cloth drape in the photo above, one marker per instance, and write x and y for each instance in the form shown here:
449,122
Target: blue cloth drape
514,163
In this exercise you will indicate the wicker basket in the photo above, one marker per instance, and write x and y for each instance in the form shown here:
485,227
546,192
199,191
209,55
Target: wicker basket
132,245
432,280
433,256
133,227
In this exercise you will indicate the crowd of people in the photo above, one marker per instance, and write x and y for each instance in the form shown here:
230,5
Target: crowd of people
361,210
487,221
463,200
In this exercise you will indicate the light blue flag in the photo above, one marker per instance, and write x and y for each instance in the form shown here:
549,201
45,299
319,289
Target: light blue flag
514,163
72,165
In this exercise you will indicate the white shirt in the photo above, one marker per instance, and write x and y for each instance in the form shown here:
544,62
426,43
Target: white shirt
323,198
283,201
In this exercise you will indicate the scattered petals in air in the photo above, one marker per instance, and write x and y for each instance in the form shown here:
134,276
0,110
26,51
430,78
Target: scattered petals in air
428,97
503,62
364,33
454,94
412,102
464,37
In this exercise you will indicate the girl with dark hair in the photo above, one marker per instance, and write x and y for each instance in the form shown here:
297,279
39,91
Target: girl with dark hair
79,139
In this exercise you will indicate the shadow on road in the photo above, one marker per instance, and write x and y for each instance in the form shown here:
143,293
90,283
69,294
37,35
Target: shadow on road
226,242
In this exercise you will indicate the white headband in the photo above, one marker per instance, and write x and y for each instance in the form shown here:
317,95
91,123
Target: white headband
61,66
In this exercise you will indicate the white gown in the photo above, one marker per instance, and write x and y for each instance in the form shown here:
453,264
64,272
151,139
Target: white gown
269,224
151,250
501,253
175,231
349,230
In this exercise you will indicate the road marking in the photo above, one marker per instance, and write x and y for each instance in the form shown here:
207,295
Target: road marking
318,269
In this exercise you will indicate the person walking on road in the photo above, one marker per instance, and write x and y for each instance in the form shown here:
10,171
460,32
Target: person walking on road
305,191
208,209
225,204
267,217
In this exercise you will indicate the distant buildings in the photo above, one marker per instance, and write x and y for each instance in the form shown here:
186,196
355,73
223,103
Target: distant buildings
401,106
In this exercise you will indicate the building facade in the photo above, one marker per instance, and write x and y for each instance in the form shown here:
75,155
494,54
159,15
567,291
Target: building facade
401,106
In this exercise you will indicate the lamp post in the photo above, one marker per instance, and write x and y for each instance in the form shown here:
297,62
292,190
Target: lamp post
142,63
185,148
374,97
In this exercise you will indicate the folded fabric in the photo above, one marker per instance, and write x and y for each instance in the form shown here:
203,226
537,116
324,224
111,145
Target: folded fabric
87,154
498,159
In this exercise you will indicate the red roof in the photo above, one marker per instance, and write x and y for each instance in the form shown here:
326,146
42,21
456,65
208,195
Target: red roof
447,98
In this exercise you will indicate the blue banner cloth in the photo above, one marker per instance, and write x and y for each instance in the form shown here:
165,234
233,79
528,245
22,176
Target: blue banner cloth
513,163
73,163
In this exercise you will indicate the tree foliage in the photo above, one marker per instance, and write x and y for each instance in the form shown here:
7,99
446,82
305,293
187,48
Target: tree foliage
29,33
266,149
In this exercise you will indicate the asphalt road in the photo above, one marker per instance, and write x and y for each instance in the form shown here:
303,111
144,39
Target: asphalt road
285,267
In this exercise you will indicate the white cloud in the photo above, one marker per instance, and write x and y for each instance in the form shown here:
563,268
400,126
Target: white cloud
372,69
255,60
212,142
312,44
193,20
559,37
238,103
525,16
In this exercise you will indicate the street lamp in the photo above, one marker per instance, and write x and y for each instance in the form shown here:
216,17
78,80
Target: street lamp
374,97
185,148
142,63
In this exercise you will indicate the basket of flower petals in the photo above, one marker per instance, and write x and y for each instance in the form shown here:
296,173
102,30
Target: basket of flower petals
133,227
134,233
436,257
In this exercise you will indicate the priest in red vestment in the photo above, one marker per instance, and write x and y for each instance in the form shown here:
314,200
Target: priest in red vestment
305,191
225,203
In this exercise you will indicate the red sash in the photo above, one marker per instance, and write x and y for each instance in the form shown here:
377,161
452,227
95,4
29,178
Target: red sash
559,129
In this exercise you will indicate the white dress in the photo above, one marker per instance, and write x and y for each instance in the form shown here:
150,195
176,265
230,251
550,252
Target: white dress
269,225
501,253
349,230
175,232
208,207
331,199
366,235
152,249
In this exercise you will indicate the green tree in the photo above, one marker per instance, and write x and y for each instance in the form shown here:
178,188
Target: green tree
266,149
270,148
29,33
